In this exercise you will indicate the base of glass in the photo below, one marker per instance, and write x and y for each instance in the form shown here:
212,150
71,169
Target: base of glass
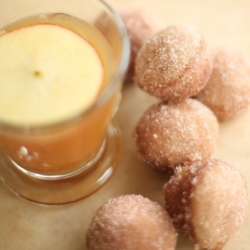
72,188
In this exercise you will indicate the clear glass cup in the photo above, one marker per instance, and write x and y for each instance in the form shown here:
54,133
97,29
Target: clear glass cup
68,160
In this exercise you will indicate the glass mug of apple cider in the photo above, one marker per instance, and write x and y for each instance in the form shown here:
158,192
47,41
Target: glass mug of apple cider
61,68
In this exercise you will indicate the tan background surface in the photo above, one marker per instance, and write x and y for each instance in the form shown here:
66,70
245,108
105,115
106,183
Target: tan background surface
28,226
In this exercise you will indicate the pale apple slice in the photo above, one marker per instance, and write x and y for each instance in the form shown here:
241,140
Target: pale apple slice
47,74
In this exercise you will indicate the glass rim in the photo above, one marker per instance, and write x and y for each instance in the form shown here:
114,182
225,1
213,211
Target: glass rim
114,82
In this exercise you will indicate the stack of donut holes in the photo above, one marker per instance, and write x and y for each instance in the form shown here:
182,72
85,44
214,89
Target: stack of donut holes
197,87
205,199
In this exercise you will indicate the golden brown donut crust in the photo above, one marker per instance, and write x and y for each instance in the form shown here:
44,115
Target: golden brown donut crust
207,201
131,222
174,64
140,27
168,135
227,92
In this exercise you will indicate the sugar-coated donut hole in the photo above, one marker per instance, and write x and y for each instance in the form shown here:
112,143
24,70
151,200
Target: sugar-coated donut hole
227,92
168,135
174,64
206,198
140,26
131,222
207,201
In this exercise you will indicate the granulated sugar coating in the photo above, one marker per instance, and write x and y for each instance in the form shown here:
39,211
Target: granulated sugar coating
174,64
131,222
228,90
140,26
168,135
207,201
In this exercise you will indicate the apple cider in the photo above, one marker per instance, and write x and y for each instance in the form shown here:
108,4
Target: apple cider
49,84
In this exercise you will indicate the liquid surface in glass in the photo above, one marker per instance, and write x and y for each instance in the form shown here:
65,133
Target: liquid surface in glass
52,67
